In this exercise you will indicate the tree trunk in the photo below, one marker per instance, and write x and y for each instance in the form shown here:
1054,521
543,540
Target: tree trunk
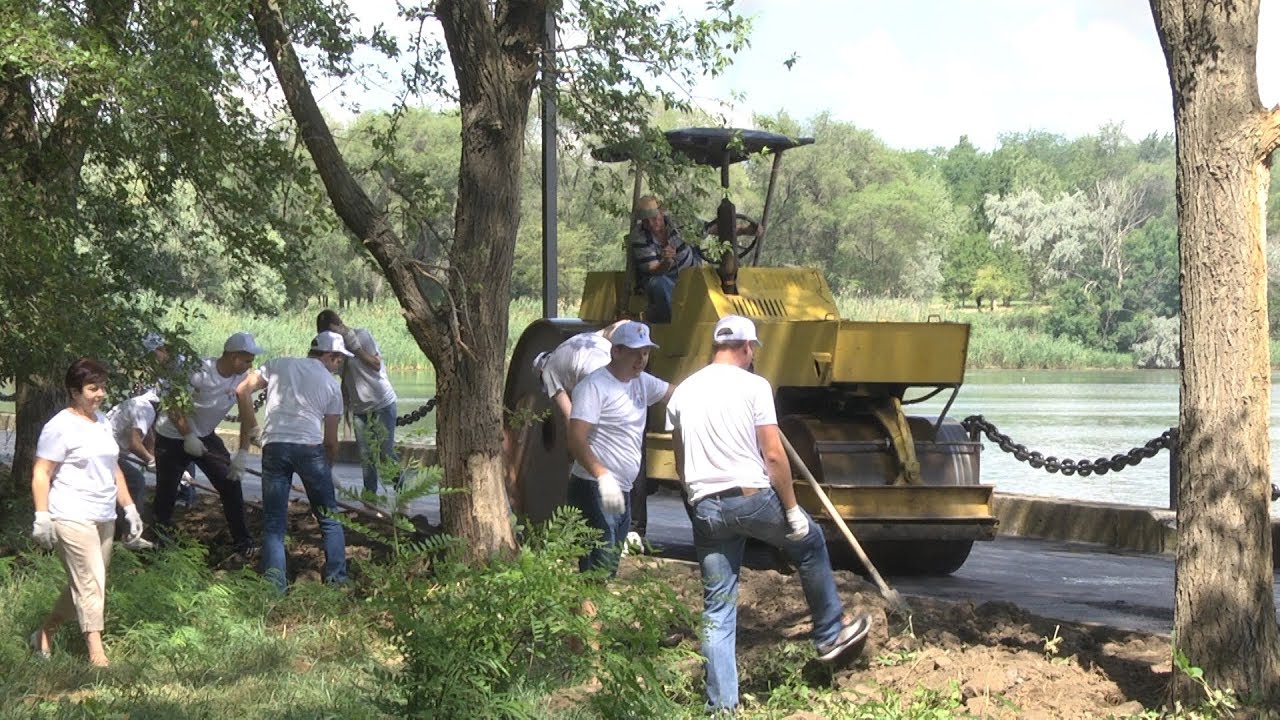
456,313
1224,612
34,404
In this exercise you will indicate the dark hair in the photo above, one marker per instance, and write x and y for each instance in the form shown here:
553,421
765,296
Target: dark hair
85,371
327,319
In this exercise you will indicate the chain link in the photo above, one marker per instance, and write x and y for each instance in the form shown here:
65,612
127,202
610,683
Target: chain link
8,398
975,424
257,405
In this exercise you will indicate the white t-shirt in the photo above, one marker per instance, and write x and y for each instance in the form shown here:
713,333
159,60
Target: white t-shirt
716,410
617,411
84,486
212,396
300,392
574,359
369,389
136,413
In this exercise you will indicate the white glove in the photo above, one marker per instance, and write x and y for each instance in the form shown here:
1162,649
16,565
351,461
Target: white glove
186,478
799,523
135,522
610,494
151,465
42,530
238,462
193,445
350,340
255,436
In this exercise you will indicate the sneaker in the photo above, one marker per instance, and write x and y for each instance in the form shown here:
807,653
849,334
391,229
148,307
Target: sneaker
633,545
851,635
139,544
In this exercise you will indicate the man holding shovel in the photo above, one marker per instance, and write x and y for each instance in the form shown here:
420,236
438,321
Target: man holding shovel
730,456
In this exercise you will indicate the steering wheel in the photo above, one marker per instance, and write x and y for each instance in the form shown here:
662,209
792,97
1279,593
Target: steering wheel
745,225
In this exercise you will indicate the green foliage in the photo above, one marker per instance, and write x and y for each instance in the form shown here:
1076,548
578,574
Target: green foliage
478,641
186,641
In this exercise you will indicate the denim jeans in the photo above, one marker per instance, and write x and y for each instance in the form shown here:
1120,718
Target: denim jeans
721,527
585,495
279,463
386,417
659,289
172,460
136,481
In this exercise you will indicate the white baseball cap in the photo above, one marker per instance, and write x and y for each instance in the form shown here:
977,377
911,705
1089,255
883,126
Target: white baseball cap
632,334
242,342
329,341
735,327
540,361
152,341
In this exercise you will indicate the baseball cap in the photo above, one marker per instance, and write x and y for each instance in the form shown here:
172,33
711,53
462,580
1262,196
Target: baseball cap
735,327
634,335
152,341
242,342
329,341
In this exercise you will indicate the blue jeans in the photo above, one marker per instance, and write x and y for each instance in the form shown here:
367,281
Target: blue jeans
279,463
659,289
386,417
721,527
585,495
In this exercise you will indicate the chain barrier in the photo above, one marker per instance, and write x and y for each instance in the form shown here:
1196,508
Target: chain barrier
406,419
418,414
976,424
9,397
257,405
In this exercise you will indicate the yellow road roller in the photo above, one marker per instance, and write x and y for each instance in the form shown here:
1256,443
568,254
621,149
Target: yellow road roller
907,485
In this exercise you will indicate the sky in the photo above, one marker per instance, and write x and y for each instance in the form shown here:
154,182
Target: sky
924,73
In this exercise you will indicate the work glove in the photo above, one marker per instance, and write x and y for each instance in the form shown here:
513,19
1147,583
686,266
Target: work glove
610,494
255,436
193,445
238,461
799,523
186,478
350,340
135,522
42,530
151,465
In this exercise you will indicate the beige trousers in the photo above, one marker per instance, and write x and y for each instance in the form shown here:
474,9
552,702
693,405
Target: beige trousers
85,549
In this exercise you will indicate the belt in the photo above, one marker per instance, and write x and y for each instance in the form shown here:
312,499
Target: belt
732,492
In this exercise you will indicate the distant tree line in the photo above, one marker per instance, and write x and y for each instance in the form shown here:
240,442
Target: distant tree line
1082,229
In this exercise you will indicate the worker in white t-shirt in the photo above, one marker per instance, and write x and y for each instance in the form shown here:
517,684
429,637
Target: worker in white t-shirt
131,421
729,454
183,438
369,398
606,432
299,436
76,485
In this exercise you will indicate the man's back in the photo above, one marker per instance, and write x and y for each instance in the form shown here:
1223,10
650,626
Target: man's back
573,360
716,411
300,392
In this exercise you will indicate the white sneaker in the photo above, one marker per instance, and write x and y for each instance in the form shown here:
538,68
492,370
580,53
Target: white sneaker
633,545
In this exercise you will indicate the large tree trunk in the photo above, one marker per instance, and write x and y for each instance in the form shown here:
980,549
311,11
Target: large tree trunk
1224,612
456,313
34,404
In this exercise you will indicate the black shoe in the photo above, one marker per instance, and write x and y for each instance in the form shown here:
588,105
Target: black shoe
852,635
247,549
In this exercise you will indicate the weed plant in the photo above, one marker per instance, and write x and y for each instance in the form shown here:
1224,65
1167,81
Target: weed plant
186,642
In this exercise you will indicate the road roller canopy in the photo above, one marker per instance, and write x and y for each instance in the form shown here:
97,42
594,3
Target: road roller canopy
706,146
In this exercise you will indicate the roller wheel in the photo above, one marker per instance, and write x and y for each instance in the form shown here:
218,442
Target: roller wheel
534,431
903,557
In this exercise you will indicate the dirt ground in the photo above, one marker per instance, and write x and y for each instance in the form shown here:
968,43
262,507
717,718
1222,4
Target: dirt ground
1005,662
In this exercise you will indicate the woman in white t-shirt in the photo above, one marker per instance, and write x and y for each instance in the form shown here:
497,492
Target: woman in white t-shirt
75,486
